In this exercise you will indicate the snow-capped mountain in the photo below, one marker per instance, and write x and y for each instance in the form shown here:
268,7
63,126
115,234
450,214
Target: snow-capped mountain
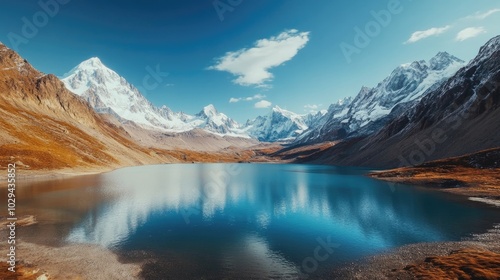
280,125
316,127
473,91
217,122
313,118
372,107
458,116
69,133
108,92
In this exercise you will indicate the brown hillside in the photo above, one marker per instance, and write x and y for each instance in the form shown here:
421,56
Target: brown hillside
44,126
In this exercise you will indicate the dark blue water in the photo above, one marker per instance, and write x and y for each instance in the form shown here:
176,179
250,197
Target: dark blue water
247,221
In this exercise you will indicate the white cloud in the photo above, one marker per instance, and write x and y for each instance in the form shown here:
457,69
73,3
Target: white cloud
469,32
250,98
263,104
481,16
419,35
251,66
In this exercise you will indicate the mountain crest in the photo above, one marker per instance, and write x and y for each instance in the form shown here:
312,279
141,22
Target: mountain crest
108,92
443,60
11,60
493,45
279,125
209,111
278,109
372,107
93,61
90,65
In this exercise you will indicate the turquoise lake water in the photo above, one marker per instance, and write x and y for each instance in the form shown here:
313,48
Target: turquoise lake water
244,221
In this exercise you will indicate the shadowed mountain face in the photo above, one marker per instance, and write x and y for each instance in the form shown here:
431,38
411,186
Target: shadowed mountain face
46,126
374,107
460,116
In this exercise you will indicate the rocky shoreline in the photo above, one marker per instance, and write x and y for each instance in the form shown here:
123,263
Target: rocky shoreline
406,262
81,261
69,262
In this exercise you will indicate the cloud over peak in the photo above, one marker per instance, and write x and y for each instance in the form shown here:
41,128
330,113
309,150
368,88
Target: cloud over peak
252,66
263,104
420,35
250,98
469,32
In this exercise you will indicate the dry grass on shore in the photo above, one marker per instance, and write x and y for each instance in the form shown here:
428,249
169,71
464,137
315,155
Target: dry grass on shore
21,273
466,264
475,174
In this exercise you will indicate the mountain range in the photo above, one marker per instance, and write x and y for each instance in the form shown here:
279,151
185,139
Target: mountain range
456,116
422,111
107,92
45,126
372,108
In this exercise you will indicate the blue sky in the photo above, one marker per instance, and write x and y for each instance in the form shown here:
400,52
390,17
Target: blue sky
254,53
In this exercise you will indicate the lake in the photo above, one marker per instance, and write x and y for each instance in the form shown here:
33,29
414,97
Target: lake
243,221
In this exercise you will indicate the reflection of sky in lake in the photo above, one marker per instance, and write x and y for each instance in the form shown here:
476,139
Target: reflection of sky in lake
265,216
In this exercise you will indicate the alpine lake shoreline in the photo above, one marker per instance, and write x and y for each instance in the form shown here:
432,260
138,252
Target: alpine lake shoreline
478,256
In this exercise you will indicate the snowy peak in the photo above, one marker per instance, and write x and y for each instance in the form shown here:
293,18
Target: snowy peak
93,62
279,125
369,110
217,122
278,110
493,45
108,92
277,113
209,111
342,104
347,100
90,66
443,60
92,73
410,81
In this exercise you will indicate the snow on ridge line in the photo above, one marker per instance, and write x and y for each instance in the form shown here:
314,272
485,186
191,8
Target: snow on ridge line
103,87
406,84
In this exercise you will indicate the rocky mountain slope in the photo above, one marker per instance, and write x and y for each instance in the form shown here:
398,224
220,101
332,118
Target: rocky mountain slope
372,108
45,126
460,116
